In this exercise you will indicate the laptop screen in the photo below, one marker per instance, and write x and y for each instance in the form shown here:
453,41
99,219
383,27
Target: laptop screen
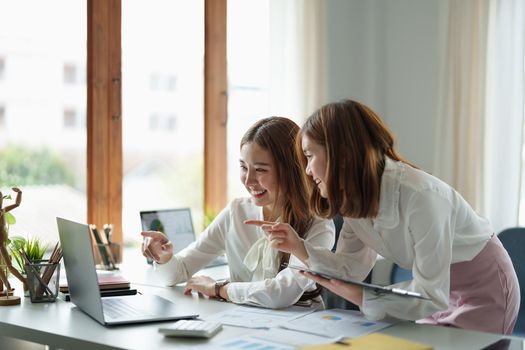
176,224
82,280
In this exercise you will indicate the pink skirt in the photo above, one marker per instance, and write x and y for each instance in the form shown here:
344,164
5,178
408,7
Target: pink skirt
484,293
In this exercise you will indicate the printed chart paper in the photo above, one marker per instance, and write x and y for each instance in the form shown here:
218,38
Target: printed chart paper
335,323
272,339
255,317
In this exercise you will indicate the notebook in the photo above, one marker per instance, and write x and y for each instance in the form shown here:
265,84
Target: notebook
376,288
105,282
178,226
79,262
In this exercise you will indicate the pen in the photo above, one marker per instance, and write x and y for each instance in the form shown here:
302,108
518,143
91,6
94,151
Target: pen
108,231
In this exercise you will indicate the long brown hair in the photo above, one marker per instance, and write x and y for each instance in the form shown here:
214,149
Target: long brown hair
356,141
277,135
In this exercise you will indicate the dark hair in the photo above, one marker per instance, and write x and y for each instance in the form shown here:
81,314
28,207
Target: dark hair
356,141
277,135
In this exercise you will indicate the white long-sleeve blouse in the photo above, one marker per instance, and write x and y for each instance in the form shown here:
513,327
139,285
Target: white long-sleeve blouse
228,234
423,225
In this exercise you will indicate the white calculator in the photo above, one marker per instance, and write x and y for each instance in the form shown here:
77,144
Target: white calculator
191,328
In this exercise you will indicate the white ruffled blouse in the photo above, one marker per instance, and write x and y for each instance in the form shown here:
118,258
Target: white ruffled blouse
253,264
423,225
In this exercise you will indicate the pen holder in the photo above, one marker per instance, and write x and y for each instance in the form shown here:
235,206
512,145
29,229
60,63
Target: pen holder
107,256
43,280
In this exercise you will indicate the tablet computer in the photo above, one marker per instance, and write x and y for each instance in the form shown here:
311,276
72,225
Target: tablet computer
374,287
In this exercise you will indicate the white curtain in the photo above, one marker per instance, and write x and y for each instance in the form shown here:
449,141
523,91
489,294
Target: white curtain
296,57
480,125
504,106
459,158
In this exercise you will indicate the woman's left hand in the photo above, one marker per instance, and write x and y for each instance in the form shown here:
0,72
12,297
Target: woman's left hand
204,285
350,292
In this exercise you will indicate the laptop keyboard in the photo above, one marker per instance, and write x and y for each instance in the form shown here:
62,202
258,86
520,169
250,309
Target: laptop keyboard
119,308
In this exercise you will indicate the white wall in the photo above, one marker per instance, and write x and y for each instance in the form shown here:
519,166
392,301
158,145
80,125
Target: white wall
386,54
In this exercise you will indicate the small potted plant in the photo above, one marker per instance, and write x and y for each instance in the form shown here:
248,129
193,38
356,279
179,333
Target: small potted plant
34,249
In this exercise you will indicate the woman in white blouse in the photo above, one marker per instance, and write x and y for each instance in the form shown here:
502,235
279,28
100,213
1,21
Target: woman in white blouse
406,215
272,174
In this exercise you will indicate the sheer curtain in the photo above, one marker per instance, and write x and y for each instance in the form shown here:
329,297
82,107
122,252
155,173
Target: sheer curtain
504,118
481,115
460,153
296,57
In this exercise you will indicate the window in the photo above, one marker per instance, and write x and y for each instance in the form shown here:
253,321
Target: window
70,74
70,118
154,121
248,75
162,101
2,67
154,81
50,170
2,116
166,123
171,122
163,82
172,83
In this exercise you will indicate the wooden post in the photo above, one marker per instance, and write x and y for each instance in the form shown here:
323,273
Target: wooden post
104,115
215,106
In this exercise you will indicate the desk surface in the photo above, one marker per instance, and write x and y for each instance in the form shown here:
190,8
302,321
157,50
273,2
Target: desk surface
62,325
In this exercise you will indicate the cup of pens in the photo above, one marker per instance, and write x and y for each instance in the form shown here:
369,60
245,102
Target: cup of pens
107,256
107,252
43,280
43,276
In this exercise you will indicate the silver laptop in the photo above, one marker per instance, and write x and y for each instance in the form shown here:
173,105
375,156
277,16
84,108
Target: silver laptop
82,281
178,226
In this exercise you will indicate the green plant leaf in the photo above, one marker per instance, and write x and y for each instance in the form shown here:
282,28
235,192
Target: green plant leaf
9,219
33,247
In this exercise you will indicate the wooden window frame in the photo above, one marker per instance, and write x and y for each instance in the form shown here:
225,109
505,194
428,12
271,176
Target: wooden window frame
104,111
215,106
104,114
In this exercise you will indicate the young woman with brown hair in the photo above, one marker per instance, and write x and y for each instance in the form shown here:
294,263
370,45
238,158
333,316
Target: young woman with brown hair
271,171
406,215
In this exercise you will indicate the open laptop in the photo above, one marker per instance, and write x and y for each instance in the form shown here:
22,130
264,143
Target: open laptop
82,281
177,224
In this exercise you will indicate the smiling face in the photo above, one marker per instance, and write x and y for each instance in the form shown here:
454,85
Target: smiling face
258,173
316,166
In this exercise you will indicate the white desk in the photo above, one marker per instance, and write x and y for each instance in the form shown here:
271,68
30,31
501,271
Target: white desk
62,325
